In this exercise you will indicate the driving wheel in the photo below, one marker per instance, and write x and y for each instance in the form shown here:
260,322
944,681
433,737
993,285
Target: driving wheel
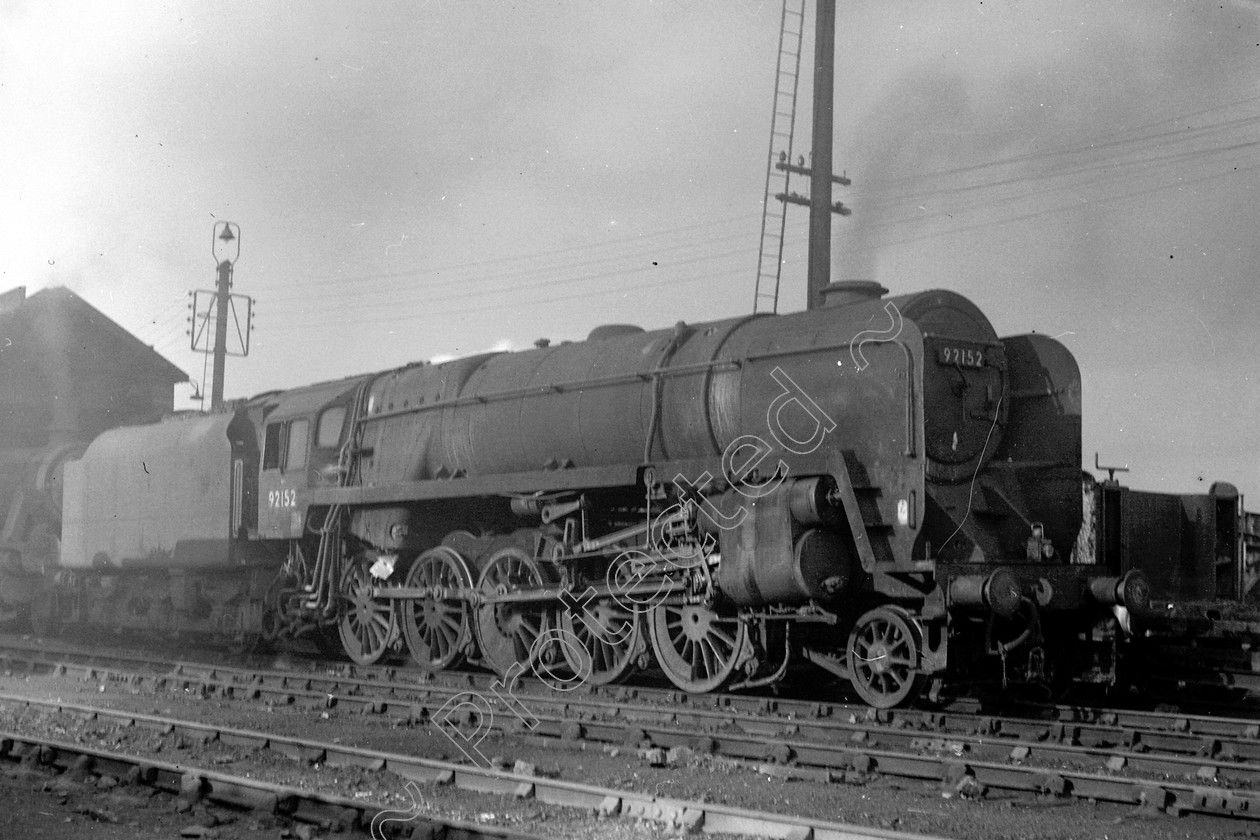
438,630
698,649
508,631
367,626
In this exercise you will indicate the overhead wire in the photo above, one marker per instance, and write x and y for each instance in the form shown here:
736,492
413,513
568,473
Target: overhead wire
1100,142
427,300
509,304
1126,141
518,302
1099,157
1168,157
1031,185
1113,177
160,324
644,257
1073,205
177,332
422,295
631,239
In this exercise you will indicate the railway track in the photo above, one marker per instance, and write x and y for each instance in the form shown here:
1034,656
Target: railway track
382,689
314,807
358,686
195,784
1166,761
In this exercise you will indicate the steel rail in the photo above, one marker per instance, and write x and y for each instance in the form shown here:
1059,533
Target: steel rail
1203,738
688,815
1208,735
299,804
831,744
1027,764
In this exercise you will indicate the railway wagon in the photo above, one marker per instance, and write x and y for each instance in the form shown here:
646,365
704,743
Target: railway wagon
1201,554
881,486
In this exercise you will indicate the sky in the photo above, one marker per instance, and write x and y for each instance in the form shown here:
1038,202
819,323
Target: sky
424,180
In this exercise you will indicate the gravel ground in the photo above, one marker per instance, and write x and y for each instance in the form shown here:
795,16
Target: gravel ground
36,804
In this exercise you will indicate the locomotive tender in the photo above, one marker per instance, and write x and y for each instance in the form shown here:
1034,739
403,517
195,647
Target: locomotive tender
881,486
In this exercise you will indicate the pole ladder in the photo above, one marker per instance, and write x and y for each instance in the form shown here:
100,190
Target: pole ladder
774,209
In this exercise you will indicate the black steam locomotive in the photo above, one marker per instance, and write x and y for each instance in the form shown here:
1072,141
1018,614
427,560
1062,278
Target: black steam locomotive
882,487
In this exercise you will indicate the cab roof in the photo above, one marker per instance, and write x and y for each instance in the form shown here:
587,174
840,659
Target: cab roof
306,401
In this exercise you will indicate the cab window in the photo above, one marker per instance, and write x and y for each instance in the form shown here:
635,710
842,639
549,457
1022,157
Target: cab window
285,445
328,434
299,437
272,447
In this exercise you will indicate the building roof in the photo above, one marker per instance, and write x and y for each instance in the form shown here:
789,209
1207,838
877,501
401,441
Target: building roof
58,320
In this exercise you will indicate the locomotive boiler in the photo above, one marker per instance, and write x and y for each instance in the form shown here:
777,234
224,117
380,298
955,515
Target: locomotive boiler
881,486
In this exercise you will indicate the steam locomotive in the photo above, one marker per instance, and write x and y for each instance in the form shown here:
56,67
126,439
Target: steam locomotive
881,487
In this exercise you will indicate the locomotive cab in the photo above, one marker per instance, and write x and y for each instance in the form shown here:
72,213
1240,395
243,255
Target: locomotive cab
302,440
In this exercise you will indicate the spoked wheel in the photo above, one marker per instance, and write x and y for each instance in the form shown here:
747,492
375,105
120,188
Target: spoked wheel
884,657
698,650
507,631
612,637
367,626
438,630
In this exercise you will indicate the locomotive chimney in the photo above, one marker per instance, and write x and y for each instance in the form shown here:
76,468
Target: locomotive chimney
845,292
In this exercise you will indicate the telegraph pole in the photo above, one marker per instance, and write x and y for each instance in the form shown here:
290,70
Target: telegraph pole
225,254
820,209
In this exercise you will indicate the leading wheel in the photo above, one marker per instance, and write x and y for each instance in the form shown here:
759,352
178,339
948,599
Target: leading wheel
698,650
508,631
438,630
884,657
367,626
